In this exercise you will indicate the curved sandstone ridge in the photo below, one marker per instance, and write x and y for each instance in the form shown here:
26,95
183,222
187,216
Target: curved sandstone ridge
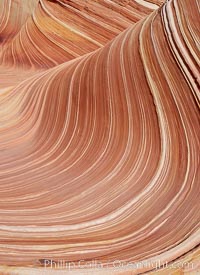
35,35
100,155
67,28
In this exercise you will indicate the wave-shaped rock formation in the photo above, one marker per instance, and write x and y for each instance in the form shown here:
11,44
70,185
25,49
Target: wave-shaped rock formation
99,136
60,30
36,35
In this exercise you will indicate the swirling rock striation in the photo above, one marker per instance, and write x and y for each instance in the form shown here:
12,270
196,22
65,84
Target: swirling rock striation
67,28
100,154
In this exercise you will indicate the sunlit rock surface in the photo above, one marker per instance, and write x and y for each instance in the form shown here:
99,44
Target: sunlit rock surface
99,136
